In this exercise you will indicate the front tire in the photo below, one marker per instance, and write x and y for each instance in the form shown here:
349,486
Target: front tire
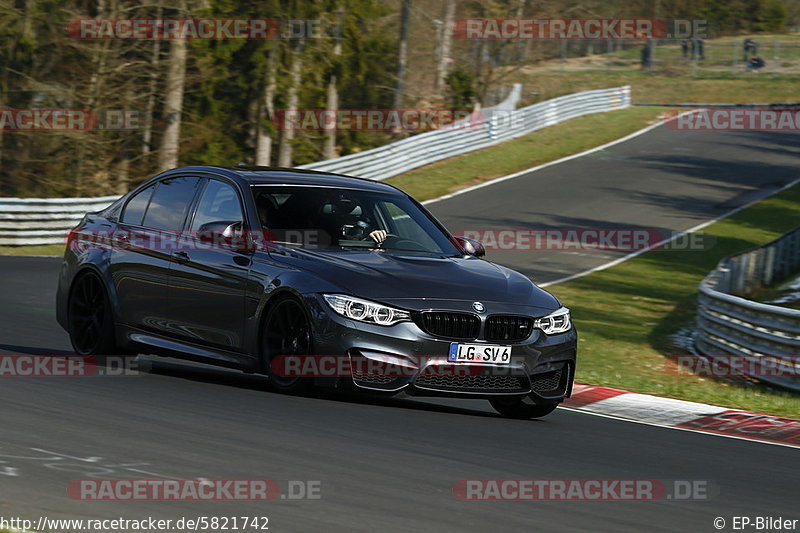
287,333
91,324
522,408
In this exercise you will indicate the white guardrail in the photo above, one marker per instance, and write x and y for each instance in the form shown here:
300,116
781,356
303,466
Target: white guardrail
25,221
728,323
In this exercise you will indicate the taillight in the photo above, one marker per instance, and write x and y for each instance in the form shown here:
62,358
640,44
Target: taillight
72,238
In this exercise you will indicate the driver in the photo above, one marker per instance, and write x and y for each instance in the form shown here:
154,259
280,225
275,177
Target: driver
357,228
356,223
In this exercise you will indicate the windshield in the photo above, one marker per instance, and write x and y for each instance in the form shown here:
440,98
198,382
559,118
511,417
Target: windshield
348,218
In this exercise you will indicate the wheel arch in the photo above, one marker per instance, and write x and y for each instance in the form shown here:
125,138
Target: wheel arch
272,298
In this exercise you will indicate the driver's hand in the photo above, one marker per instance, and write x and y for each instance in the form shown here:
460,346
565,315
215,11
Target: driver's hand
379,235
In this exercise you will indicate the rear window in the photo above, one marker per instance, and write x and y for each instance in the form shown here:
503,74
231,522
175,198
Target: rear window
169,203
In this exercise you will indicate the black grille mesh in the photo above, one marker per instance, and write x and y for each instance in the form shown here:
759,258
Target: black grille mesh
372,380
473,383
507,328
546,381
451,325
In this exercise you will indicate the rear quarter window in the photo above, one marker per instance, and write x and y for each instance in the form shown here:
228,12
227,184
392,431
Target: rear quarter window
136,207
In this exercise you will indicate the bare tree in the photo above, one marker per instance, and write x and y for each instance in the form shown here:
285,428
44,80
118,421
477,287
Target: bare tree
402,56
446,40
96,82
266,111
332,100
173,103
292,96
147,129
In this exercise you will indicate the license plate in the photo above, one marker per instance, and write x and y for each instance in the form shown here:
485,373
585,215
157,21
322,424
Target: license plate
479,353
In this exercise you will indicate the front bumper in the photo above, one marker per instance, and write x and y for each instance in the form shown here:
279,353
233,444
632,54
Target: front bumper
542,366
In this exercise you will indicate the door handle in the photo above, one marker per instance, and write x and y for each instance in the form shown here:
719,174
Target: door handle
181,257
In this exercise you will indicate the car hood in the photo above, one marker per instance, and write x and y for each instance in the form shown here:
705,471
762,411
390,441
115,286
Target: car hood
391,276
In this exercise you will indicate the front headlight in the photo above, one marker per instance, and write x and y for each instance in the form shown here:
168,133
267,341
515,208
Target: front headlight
366,311
555,322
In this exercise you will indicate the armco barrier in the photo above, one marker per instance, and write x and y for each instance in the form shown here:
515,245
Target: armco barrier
47,221
490,126
730,324
44,220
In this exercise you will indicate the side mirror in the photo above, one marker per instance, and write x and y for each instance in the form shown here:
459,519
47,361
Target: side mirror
219,232
471,246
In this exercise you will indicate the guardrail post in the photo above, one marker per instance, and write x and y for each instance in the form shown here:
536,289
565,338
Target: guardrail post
769,267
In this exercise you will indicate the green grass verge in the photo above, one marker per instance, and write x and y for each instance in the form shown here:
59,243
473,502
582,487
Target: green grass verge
626,314
40,249
542,146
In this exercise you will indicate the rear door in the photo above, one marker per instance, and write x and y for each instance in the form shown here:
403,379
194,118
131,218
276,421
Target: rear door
151,222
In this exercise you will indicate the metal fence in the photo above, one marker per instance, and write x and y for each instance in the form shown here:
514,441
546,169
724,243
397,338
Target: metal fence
47,221
723,57
728,323
485,128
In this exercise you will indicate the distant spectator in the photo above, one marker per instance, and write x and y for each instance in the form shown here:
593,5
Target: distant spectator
646,56
685,48
750,48
699,45
755,63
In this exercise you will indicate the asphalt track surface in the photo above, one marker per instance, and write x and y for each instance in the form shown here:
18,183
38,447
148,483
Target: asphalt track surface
390,465
664,181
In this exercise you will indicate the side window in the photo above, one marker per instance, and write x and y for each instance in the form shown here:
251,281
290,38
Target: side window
136,206
218,203
169,203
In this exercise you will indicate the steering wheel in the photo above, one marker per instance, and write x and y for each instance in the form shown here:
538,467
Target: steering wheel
399,242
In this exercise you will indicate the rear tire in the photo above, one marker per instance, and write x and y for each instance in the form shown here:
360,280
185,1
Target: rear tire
522,408
287,333
89,317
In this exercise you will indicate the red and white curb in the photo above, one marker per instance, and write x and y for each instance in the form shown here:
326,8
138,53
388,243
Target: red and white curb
681,414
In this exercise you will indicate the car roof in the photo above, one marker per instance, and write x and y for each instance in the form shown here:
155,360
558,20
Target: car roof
255,175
